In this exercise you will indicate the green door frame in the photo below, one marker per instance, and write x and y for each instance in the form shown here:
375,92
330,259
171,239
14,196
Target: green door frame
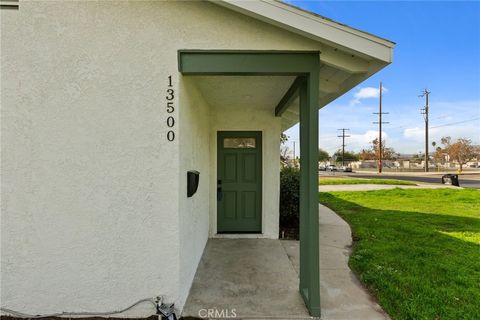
305,65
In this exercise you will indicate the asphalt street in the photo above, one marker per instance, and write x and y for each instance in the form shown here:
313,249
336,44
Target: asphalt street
465,181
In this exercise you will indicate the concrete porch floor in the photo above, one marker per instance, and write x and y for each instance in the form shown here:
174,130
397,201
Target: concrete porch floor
252,276
259,278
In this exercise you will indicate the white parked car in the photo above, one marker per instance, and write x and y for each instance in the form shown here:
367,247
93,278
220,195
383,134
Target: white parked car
346,169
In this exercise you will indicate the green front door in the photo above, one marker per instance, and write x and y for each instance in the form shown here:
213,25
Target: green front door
239,181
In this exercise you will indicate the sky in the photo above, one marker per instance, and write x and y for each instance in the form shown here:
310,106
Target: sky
437,47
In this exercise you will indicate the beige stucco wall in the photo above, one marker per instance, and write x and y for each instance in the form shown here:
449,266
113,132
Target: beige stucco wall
86,168
94,212
193,212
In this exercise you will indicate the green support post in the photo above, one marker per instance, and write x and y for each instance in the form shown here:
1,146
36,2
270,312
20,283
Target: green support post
309,223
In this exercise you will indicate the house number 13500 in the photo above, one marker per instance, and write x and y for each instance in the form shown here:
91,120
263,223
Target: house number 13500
170,109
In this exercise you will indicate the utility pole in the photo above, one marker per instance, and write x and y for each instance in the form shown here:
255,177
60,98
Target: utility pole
343,136
425,94
380,113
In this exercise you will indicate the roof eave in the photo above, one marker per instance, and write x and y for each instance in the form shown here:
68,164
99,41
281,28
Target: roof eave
314,27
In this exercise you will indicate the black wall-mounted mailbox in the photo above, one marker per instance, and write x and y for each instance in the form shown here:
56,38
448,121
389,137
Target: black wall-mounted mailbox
192,182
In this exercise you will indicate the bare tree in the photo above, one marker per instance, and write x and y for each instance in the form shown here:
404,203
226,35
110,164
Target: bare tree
461,151
373,153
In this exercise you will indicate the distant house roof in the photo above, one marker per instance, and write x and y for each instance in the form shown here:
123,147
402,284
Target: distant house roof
348,56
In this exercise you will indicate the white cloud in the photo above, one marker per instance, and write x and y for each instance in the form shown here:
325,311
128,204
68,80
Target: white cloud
366,93
355,142
361,141
413,138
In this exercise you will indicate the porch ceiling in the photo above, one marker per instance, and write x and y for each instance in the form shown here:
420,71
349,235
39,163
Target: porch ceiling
263,92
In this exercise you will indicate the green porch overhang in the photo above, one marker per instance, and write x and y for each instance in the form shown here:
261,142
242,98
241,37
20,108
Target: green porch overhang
246,62
305,65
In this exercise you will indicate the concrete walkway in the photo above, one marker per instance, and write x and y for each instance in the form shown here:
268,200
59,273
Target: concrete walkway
258,278
369,187
342,297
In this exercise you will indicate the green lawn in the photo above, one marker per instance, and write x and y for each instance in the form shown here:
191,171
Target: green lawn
328,181
417,250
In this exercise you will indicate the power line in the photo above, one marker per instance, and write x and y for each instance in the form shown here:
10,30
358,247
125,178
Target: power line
441,125
442,117
454,123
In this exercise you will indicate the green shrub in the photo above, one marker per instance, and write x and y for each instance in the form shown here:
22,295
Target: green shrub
289,201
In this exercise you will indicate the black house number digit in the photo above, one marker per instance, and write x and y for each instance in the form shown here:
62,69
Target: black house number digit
170,135
170,107
170,122
170,94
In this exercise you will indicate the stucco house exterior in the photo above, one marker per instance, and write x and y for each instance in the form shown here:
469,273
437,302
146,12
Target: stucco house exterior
105,107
